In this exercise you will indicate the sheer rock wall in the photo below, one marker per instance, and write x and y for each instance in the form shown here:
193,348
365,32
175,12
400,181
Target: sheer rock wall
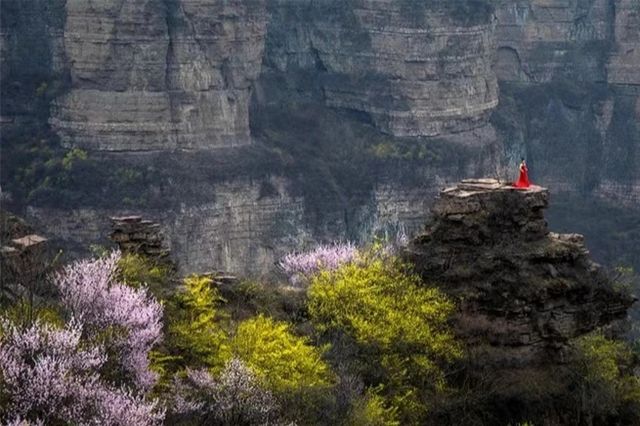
625,59
414,68
569,78
240,231
159,74
540,39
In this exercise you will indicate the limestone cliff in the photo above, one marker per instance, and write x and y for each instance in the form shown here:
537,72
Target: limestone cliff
415,68
569,103
541,39
359,111
625,59
159,74
523,291
569,78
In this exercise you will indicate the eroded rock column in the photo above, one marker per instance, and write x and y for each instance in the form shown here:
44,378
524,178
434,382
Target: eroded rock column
523,291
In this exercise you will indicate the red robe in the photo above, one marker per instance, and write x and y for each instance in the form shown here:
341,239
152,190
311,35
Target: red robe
523,180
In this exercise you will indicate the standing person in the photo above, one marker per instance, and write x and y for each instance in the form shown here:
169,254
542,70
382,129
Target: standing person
523,179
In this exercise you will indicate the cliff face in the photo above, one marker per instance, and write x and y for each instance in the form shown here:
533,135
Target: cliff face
414,68
569,98
238,226
625,59
524,292
159,74
541,39
365,107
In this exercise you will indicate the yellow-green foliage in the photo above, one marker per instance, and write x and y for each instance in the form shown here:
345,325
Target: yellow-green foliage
197,337
136,270
72,156
284,361
23,312
196,333
399,325
602,363
370,410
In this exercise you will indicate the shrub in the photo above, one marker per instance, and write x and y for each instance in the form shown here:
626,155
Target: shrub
196,337
137,270
76,154
234,398
603,376
301,266
399,329
370,410
285,362
198,345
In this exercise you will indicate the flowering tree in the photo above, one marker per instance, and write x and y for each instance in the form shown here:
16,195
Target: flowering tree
90,294
301,266
80,372
49,375
19,421
234,398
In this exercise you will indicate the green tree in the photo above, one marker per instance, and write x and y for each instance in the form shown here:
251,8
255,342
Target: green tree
136,270
284,361
604,377
199,335
398,326
370,410
75,154
196,337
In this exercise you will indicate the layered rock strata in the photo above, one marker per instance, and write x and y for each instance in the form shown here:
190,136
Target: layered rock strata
159,74
25,258
624,62
523,292
540,39
138,236
414,68
241,229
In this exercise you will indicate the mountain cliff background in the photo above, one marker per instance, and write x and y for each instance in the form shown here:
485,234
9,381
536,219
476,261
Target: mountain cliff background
251,128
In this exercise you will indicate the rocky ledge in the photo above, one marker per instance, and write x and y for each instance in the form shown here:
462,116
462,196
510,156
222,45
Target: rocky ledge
138,236
523,291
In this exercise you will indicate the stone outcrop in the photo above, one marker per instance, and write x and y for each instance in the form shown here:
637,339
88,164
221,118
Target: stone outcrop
415,68
24,258
523,292
138,236
159,74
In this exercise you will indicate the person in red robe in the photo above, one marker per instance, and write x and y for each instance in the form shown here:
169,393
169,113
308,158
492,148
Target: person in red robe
523,179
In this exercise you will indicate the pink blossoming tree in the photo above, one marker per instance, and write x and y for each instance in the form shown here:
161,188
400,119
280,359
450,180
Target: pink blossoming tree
300,266
94,369
235,397
49,376
90,293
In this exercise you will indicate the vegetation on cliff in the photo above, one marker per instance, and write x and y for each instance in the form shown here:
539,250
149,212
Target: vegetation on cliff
361,342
